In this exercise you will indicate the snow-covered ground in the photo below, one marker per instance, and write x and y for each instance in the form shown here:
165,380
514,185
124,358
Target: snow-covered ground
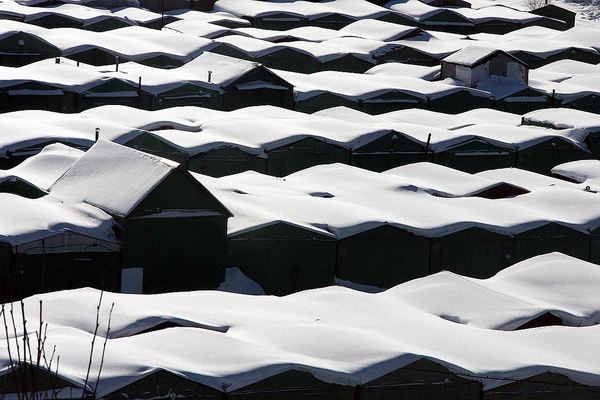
338,334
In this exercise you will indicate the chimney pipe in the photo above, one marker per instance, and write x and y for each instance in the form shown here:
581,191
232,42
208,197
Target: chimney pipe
97,134
209,76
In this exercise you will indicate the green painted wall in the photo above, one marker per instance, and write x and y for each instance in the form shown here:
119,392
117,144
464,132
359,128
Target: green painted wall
95,97
498,26
390,101
189,95
546,386
162,385
421,380
49,100
5,271
177,254
33,49
382,257
408,55
347,63
26,378
51,272
589,103
323,101
283,258
388,151
544,156
107,24
527,104
595,246
293,385
458,102
286,22
475,155
21,188
332,21
472,252
303,154
169,195
290,60
95,57
226,161
56,21
164,61
590,57
235,98
549,238
150,144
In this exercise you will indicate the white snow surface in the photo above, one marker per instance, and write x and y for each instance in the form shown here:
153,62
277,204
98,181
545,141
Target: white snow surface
112,177
526,179
259,200
228,341
586,172
25,220
44,168
443,181
195,130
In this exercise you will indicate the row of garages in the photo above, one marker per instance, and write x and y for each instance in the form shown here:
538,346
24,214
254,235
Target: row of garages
23,44
355,48
140,211
225,83
321,232
219,143
340,13
159,229
420,380
81,16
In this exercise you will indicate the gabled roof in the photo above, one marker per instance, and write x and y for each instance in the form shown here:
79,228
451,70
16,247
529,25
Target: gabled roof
225,70
24,220
112,177
43,169
472,56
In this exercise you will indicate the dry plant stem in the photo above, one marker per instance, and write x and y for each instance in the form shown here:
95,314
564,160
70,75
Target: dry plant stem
104,349
87,375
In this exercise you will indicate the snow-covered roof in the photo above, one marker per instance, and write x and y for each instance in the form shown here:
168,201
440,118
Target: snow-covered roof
79,12
379,30
24,220
224,69
44,168
471,56
362,200
361,86
563,118
197,28
529,288
526,179
410,70
443,181
356,9
236,340
213,17
112,177
304,33
586,172
130,43
560,70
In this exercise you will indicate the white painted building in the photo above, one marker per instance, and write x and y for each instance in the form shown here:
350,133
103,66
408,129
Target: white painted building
474,64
